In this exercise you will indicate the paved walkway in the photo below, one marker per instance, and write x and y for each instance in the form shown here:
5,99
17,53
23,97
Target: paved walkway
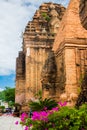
8,123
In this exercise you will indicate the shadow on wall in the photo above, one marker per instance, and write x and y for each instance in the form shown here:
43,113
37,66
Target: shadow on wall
83,13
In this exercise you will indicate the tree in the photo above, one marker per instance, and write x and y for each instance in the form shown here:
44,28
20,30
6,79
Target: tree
2,96
9,94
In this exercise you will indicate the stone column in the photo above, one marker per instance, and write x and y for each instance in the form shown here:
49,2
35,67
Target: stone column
70,69
71,86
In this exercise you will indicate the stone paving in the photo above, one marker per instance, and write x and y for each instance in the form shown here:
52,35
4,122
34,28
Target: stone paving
8,123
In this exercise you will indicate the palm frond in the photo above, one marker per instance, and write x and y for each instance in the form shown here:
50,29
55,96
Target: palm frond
41,104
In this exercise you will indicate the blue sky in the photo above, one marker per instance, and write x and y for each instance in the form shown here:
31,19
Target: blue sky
7,81
14,16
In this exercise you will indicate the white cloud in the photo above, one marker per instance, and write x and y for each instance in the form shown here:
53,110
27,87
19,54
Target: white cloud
13,18
1,89
14,15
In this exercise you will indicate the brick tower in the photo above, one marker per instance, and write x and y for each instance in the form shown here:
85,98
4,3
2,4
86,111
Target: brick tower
38,40
70,49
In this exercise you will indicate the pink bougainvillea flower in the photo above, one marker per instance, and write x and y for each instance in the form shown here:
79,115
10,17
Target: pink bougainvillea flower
26,128
62,104
42,115
16,122
23,117
50,112
36,116
55,109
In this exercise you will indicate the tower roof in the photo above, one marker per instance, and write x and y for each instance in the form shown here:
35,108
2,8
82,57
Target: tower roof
39,31
70,27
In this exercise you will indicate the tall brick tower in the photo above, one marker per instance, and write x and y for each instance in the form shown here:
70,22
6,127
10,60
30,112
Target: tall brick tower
70,49
38,40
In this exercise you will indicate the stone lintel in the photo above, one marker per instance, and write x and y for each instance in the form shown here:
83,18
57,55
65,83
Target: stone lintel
39,46
39,36
34,40
72,43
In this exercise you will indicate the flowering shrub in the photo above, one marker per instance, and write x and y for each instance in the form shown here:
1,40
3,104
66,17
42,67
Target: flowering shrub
59,118
39,119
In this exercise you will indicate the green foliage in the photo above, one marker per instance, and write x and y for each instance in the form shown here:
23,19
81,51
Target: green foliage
42,104
39,95
2,96
45,16
2,107
69,119
8,95
11,103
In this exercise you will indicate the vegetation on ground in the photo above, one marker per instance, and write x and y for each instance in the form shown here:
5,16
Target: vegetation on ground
41,104
59,118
